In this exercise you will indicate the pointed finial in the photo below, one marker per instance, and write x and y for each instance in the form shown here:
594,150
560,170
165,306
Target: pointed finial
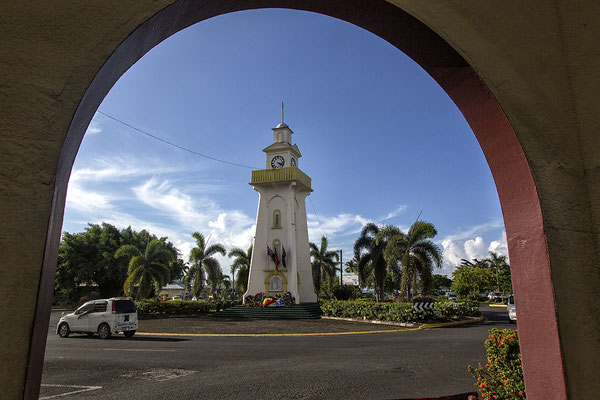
282,112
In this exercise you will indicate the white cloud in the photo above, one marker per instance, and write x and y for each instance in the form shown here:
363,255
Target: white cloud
342,224
93,128
500,246
456,250
395,213
470,232
476,248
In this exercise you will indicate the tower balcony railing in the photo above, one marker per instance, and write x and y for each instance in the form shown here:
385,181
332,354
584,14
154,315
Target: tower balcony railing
280,175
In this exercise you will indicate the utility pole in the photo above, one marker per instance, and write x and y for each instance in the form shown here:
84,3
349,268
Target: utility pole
341,269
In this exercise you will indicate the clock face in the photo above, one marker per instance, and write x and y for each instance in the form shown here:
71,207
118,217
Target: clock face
293,162
277,162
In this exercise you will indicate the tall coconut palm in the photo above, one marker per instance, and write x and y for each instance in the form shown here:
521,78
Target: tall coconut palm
201,258
148,269
415,254
324,263
241,265
215,278
369,253
498,263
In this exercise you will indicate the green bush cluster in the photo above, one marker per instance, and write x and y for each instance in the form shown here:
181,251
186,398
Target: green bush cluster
397,311
449,309
155,308
502,376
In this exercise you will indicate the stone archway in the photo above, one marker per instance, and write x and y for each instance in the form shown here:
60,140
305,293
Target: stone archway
52,97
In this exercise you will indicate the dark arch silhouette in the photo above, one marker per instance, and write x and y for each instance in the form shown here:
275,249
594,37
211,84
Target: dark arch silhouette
542,358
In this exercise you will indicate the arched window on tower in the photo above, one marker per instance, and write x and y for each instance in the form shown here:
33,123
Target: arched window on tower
277,247
276,219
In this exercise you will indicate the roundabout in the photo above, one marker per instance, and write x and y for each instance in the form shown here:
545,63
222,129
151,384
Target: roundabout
240,359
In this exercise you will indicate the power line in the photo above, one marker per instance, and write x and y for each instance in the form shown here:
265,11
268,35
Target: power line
174,144
199,154
317,217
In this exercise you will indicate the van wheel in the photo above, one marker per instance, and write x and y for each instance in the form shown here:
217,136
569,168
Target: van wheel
63,330
104,331
129,333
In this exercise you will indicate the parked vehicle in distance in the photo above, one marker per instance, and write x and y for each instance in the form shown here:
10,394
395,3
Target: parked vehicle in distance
496,297
197,298
451,296
512,311
177,298
103,316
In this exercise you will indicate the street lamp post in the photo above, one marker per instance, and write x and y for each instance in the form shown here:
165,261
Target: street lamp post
341,269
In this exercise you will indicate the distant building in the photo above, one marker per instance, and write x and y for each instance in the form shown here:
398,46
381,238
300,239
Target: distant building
350,279
175,288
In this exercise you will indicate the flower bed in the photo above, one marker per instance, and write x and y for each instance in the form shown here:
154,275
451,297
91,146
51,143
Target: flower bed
444,310
502,376
160,309
261,300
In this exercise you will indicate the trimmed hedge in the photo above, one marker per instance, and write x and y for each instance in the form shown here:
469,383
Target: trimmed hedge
398,312
159,309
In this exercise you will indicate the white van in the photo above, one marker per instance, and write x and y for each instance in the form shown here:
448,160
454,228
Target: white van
104,316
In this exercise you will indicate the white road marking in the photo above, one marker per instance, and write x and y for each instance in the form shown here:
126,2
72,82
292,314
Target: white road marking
80,389
157,350
159,374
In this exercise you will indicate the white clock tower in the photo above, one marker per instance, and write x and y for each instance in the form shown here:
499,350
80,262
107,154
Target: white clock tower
281,256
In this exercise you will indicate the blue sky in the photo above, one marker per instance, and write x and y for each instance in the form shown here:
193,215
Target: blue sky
380,139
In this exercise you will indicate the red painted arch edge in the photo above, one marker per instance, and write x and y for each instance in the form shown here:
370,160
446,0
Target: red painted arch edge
541,353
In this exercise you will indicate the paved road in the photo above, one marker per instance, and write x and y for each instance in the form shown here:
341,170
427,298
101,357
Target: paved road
370,366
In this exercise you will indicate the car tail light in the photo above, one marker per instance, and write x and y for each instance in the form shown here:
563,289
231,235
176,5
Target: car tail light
114,308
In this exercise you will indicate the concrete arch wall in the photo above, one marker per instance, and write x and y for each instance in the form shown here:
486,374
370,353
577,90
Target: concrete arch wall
524,75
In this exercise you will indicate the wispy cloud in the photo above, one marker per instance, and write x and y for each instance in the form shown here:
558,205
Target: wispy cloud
93,128
470,232
395,213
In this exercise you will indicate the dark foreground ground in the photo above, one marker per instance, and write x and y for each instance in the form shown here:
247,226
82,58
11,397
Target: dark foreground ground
386,365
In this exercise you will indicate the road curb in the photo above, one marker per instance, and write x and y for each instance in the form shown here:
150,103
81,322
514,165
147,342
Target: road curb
453,323
368,321
498,305
407,329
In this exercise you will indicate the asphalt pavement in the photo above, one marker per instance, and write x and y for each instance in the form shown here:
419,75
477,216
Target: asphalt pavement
431,362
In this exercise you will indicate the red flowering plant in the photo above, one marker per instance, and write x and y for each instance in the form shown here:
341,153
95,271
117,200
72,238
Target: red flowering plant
502,376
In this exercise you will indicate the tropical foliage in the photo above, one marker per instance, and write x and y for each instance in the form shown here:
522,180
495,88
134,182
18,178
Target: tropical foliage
241,265
369,253
398,311
86,259
502,376
476,276
323,264
204,266
147,270
413,255
153,308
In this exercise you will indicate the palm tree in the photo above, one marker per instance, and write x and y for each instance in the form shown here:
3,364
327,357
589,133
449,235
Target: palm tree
241,264
498,263
323,264
215,277
201,258
369,253
147,270
415,254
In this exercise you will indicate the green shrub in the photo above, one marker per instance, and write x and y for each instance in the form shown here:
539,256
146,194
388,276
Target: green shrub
346,292
396,311
449,309
155,308
502,376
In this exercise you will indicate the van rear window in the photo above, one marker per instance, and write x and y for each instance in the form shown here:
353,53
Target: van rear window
124,306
